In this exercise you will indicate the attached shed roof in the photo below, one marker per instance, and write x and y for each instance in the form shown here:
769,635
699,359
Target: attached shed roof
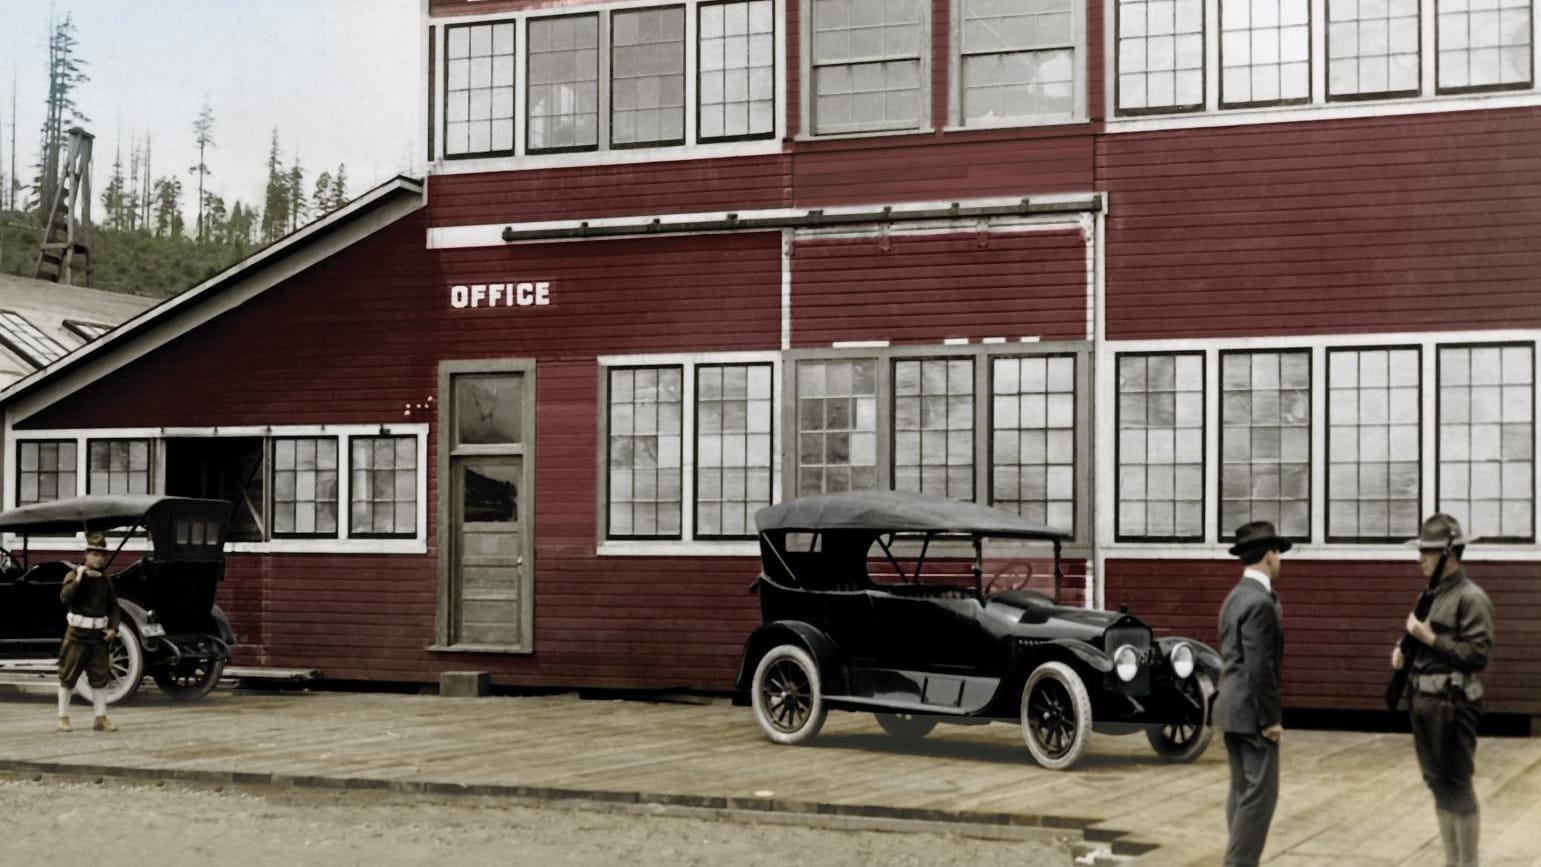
41,321
241,282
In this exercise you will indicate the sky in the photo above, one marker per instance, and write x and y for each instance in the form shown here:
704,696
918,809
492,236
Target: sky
337,78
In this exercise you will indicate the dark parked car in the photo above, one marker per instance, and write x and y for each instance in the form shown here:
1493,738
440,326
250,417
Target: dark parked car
171,629
856,617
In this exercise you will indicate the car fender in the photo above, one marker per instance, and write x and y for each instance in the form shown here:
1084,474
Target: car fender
1086,653
226,634
1204,657
138,615
804,635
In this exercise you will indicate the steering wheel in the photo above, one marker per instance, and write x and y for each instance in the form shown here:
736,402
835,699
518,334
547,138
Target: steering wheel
1014,574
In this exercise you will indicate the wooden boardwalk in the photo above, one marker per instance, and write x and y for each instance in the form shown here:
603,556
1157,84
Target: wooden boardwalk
1347,798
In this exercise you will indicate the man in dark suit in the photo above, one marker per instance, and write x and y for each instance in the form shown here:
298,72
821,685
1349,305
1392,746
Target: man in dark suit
1248,708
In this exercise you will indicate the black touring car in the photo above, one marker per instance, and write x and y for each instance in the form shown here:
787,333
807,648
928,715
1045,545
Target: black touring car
171,629
871,602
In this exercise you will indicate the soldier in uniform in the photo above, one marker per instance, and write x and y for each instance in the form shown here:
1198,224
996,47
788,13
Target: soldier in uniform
92,614
1446,693
1249,707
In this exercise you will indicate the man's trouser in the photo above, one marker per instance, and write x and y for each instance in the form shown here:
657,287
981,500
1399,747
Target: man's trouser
1445,736
1254,793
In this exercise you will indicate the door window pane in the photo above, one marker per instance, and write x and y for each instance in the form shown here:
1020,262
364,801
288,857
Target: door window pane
1487,439
1374,444
1033,426
645,417
1161,446
491,494
489,409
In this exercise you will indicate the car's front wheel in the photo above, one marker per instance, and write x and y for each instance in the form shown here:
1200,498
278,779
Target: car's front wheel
905,726
125,658
1056,715
190,680
1185,738
788,701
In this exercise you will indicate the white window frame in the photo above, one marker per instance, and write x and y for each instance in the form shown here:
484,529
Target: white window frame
343,543
687,545
955,118
927,121
604,154
1212,546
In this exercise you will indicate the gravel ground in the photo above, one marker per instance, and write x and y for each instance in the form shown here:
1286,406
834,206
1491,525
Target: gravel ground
175,825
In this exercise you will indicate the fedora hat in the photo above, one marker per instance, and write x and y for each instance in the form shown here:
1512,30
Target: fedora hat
1439,531
96,542
1258,534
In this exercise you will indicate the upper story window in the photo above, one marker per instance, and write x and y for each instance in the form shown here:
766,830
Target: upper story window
1265,52
737,70
869,65
647,77
479,89
1483,44
563,92
1018,62
1160,55
1372,48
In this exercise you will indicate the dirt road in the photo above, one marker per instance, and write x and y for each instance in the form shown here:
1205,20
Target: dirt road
172,825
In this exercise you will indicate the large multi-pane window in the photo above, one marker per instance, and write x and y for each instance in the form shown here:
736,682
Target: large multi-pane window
737,70
45,471
1265,52
1483,44
1374,450
1032,425
1372,48
1486,443
304,486
734,455
1265,441
645,424
118,466
934,426
1161,446
479,89
869,65
647,77
836,425
563,83
382,490
1160,55
1017,61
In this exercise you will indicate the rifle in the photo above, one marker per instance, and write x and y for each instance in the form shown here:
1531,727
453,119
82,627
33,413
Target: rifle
1410,645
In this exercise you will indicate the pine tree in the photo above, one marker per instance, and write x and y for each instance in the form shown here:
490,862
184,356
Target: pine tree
203,131
238,230
168,207
299,208
213,219
275,205
64,76
321,199
115,195
340,187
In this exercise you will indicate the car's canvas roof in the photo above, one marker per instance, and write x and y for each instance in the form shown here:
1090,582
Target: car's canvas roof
897,511
101,512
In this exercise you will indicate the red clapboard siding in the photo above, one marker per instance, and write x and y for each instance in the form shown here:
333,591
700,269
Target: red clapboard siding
925,288
358,337
1415,222
673,187
1340,622
948,167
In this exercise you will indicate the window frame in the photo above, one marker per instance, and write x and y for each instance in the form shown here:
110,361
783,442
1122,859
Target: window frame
354,533
609,83
1204,500
1327,351
58,469
1223,533
442,94
927,121
1361,96
151,476
1117,109
1527,84
1439,416
342,464
15,342
1081,436
770,467
601,83
1080,65
606,421
775,77
1267,103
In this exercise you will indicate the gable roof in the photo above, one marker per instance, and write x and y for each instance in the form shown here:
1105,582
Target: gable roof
241,282
50,309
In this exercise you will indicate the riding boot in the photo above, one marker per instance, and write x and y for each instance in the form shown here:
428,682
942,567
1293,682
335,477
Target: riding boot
1467,828
1448,836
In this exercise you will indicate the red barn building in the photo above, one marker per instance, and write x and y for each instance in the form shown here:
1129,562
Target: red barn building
1146,269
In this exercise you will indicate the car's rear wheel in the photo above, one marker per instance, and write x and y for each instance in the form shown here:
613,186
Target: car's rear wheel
905,726
1185,738
788,700
1056,715
190,680
125,657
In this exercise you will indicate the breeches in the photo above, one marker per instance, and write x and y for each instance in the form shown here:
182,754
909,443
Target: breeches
81,654
1445,736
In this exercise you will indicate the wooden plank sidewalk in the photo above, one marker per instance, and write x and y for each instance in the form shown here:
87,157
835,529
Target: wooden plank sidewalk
1347,797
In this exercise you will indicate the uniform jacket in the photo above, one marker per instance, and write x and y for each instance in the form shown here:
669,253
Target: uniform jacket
1462,620
89,593
1252,648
